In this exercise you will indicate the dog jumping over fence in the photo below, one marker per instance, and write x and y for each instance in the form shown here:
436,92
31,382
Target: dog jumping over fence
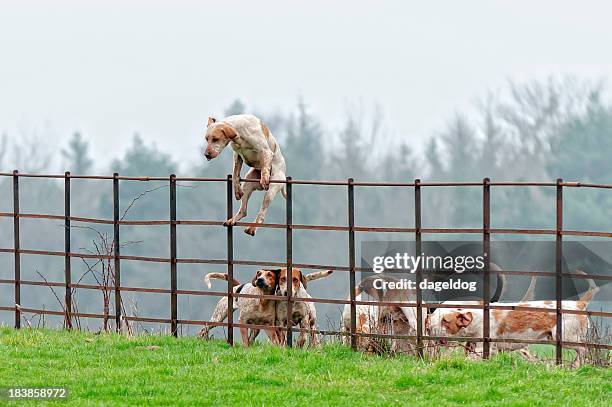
253,144
257,311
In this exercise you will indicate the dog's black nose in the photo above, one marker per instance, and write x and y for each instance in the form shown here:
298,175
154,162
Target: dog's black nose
260,283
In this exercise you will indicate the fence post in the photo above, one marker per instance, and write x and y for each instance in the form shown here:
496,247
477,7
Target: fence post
117,252
289,240
17,247
173,284
67,263
558,271
419,275
486,281
351,227
230,263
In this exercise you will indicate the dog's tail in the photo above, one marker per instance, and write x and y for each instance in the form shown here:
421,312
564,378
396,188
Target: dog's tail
590,293
220,276
500,290
529,294
284,191
317,275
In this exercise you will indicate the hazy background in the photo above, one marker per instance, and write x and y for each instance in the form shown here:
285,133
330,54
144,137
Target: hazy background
376,91
111,70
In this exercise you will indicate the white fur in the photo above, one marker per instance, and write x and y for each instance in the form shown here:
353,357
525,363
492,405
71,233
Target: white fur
574,326
263,155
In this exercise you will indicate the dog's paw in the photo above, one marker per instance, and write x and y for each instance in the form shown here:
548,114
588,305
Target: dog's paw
250,231
229,222
265,182
204,333
238,193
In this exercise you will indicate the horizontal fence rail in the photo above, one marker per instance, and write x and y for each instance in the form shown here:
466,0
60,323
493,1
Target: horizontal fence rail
349,332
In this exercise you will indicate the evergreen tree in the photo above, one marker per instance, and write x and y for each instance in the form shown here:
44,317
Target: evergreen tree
303,149
77,155
144,159
237,107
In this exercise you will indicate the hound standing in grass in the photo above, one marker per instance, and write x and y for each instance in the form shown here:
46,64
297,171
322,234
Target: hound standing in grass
254,145
518,324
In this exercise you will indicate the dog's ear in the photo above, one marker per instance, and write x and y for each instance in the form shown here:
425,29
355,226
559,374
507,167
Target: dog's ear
254,280
211,120
302,278
367,287
229,132
277,275
464,319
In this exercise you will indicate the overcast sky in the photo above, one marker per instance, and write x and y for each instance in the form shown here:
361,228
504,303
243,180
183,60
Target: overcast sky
113,70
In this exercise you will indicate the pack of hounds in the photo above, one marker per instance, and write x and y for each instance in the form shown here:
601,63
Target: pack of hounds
254,145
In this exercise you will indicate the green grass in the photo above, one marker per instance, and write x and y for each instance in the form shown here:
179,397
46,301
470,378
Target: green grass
112,369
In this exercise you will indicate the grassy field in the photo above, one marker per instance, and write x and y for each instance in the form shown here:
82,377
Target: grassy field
116,370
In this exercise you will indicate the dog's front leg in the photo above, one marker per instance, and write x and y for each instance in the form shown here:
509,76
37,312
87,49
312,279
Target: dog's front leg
302,337
275,336
238,192
314,341
244,333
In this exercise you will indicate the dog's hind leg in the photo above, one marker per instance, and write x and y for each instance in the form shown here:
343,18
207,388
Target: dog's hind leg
219,315
253,335
247,189
268,197
581,353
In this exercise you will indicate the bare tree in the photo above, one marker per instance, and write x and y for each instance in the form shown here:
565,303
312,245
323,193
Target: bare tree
32,153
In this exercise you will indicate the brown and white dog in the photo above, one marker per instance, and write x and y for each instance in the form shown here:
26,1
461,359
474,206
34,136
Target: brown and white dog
383,319
257,311
368,321
391,319
517,324
304,313
253,144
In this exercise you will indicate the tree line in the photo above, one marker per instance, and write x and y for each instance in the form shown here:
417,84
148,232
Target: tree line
536,131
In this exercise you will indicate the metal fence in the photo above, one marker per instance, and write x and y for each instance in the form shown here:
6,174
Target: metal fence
289,226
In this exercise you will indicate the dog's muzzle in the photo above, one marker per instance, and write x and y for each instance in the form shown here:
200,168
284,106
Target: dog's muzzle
261,283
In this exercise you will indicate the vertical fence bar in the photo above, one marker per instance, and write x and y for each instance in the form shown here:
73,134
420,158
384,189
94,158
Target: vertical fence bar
289,240
230,263
558,271
117,252
419,275
486,280
67,262
351,247
173,284
17,247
